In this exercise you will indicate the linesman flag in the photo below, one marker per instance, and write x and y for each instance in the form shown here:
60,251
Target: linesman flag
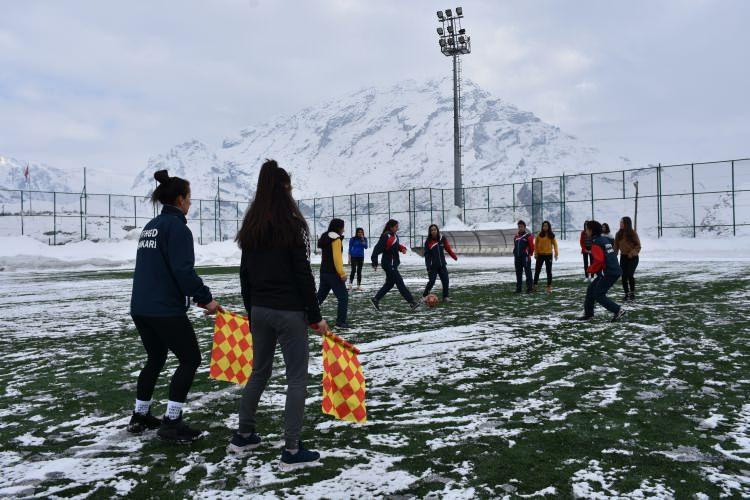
232,353
343,380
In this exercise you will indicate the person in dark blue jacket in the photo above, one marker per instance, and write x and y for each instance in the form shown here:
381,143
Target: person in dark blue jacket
164,281
607,270
523,249
435,246
389,246
357,247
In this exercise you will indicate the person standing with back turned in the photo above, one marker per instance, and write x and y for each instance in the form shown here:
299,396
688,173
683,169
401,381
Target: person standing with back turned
164,281
278,290
523,249
332,274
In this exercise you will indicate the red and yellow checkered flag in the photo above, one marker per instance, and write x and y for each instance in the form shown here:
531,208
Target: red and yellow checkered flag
343,380
232,354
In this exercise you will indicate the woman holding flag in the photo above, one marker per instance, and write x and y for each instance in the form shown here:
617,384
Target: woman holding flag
278,290
164,281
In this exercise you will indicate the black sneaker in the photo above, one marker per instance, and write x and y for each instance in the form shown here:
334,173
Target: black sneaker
517,291
303,458
140,422
414,305
240,444
584,318
626,297
177,431
342,326
619,314
375,303
529,290
631,296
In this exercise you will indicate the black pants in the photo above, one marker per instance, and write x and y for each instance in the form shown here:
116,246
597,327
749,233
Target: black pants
432,274
393,277
523,265
356,263
586,263
597,292
628,266
159,335
332,281
547,261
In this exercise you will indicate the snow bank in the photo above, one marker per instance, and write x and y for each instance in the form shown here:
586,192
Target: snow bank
25,253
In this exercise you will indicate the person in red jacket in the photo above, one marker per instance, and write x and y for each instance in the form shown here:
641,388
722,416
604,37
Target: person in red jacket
585,241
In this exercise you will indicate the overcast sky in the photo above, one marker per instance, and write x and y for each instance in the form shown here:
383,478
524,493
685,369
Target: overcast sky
107,84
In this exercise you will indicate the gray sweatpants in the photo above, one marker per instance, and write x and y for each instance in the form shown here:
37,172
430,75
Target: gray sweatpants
289,329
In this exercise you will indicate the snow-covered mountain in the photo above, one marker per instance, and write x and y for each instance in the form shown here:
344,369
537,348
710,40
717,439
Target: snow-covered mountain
384,139
41,177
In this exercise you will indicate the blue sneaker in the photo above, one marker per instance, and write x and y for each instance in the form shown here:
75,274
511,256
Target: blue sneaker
303,458
240,444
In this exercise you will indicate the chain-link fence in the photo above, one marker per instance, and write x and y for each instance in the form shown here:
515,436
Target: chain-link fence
676,200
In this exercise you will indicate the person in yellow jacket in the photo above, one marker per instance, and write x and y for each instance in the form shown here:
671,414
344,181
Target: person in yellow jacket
545,244
332,274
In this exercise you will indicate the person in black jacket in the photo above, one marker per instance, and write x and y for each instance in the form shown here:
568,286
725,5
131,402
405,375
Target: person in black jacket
332,274
435,247
278,290
164,281
389,247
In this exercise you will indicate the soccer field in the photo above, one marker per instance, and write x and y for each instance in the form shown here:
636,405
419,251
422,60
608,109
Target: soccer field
492,395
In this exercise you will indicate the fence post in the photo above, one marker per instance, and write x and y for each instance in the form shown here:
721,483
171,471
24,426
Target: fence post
315,226
659,217
237,216
692,189
442,204
54,217
514,200
488,203
463,202
369,228
734,221
353,214
591,178
21,212
431,221
563,221
109,215
389,205
623,184
200,219
80,214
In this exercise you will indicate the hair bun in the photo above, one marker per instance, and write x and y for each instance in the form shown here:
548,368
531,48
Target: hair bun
162,176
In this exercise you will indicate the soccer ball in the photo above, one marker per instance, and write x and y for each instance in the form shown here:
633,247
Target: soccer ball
431,300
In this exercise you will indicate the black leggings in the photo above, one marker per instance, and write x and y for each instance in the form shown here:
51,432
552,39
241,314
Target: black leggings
628,266
357,263
547,261
586,264
159,335
393,278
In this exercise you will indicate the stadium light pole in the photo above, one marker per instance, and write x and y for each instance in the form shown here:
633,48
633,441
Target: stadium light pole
454,42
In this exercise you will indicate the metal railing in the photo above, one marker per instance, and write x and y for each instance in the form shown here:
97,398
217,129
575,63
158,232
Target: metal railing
710,198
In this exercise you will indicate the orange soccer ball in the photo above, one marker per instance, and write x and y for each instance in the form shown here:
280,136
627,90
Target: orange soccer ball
431,300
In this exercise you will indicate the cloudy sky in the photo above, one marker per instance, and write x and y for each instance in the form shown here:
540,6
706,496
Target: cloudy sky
107,84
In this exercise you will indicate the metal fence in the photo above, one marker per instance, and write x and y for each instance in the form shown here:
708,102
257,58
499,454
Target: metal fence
692,200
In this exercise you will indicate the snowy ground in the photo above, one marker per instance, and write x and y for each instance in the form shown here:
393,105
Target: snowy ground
492,395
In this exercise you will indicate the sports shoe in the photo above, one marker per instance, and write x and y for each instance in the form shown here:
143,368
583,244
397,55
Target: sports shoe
535,288
349,287
517,291
549,289
415,305
375,303
632,296
342,326
140,422
177,431
584,318
619,314
240,444
303,458
447,299
359,287
626,297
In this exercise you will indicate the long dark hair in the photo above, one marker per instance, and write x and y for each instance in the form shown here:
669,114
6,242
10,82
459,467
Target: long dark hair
336,225
389,226
628,232
273,219
356,232
547,234
429,233
595,227
169,188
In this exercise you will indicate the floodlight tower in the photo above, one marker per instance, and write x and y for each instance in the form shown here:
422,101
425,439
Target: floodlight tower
455,42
